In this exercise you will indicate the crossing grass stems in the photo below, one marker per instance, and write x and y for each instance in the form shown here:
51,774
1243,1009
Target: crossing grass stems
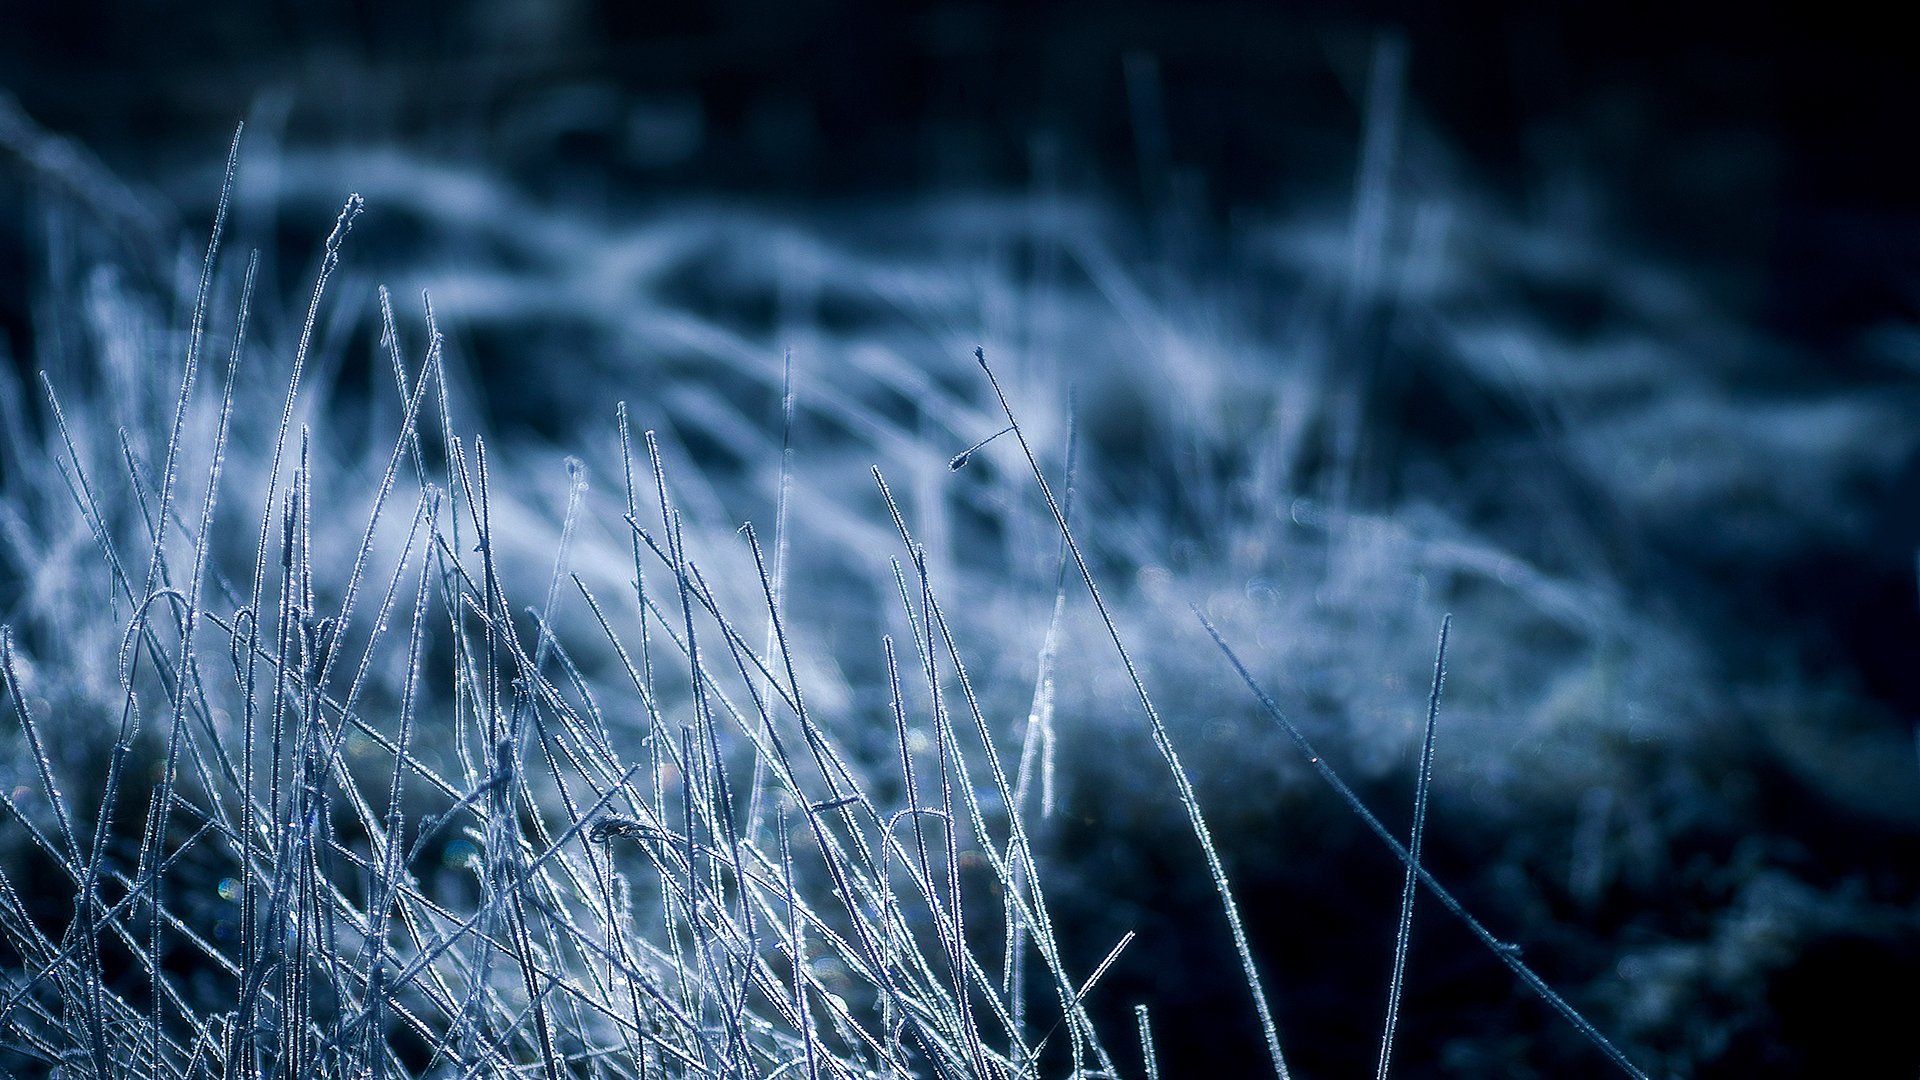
661,859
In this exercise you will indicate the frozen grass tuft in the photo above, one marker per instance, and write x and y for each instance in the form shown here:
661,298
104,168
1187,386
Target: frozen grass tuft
609,898
411,692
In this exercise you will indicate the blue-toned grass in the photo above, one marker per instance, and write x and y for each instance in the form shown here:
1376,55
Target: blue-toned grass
405,689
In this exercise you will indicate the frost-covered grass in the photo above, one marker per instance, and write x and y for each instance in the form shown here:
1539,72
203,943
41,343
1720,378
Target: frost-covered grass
601,652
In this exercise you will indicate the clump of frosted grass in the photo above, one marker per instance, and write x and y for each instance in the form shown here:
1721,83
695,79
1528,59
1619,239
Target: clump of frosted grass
376,747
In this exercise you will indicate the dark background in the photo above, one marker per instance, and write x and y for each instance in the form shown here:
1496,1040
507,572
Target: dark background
1771,142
